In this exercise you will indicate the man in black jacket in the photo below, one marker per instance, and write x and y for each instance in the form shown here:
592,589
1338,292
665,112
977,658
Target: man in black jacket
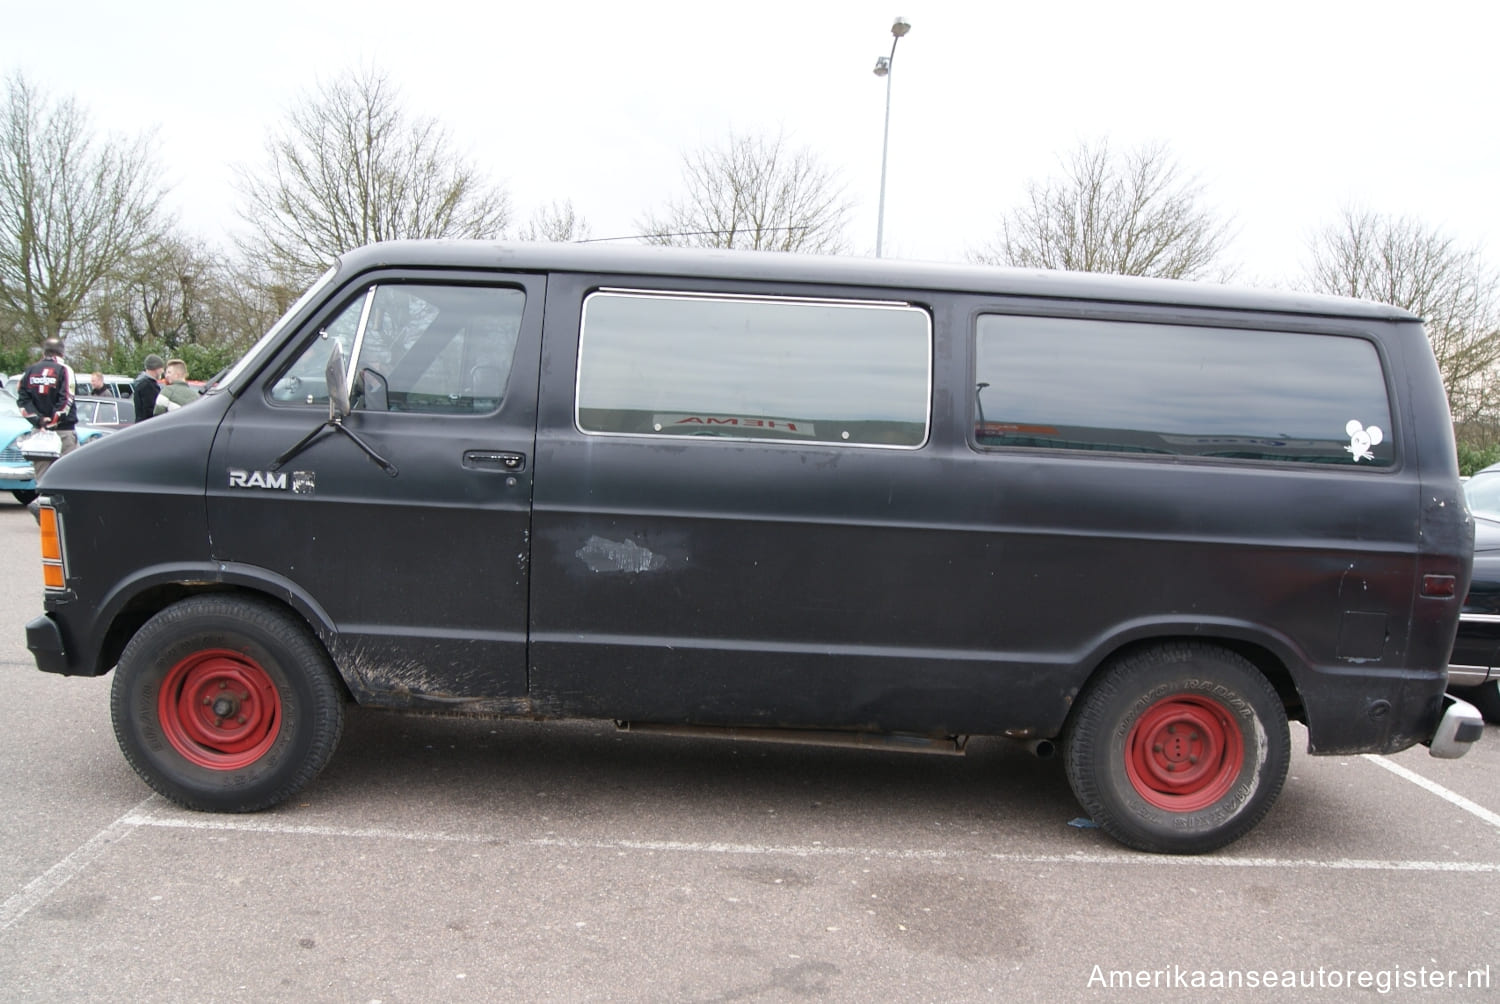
45,395
147,387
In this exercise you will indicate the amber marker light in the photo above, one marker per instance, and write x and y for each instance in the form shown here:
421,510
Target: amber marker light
52,560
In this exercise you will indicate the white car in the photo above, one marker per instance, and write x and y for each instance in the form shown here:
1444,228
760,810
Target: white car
115,384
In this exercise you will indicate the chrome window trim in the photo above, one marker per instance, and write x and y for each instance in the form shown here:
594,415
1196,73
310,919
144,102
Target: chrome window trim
352,366
675,294
1467,676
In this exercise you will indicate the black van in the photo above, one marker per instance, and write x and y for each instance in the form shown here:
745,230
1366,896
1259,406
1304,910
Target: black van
769,496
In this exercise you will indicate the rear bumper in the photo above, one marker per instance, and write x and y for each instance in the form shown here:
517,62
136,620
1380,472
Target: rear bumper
1458,729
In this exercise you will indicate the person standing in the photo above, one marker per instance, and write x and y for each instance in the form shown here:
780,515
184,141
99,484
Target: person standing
45,395
176,391
146,389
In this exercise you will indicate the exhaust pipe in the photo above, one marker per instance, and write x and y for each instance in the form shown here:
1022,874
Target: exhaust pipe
1042,749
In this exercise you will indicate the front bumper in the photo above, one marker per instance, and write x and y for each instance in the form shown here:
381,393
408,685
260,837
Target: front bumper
44,640
1458,729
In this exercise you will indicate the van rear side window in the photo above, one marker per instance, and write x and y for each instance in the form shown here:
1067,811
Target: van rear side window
774,369
1129,387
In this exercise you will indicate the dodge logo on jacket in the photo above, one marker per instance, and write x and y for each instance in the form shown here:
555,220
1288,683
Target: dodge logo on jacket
46,395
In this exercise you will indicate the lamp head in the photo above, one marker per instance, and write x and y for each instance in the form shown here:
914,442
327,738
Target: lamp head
900,27
882,66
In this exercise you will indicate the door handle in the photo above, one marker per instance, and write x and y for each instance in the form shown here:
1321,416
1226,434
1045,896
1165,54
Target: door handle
495,460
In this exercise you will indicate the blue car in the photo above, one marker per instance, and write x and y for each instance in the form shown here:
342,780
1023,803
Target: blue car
17,475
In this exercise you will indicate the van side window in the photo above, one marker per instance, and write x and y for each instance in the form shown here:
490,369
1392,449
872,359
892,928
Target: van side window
768,369
1127,387
438,349
303,382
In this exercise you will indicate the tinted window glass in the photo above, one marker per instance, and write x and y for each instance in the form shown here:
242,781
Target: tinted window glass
793,370
1061,383
431,349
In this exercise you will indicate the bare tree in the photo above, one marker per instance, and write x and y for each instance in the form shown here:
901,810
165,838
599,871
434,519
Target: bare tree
555,222
1400,261
352,167
179,292
158,300
1129,214
74,211
753,192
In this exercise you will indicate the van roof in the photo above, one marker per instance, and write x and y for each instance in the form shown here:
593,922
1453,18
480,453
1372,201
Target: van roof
876,273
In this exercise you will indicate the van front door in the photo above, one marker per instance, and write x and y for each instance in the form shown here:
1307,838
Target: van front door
415,570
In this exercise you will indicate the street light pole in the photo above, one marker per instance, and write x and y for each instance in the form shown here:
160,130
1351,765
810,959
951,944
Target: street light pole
883,66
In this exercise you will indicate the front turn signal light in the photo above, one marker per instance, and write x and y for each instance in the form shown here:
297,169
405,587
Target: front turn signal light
53,575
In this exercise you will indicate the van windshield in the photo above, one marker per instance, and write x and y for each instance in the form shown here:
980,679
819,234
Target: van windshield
250,359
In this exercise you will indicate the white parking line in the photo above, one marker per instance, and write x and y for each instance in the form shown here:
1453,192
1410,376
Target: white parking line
1122,857
54,878
1493,818
57,876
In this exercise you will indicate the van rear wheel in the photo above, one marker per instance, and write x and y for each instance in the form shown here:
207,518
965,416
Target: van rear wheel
226,703
1178,749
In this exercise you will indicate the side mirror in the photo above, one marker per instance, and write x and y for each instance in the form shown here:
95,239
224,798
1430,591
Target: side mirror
338,384
338,407
372,390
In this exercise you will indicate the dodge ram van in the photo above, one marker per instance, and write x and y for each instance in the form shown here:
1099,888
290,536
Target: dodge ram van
776,497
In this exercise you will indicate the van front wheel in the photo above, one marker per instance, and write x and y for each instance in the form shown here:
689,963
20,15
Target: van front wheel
1178,749
226,703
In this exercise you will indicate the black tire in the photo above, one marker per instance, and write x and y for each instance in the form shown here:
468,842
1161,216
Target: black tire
25,496
1177,749
1485,697
226,703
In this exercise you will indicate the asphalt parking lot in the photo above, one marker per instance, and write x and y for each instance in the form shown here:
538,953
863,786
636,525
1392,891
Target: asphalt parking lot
460,860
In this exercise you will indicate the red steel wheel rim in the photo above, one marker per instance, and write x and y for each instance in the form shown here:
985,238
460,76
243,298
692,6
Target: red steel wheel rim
219,709
1184,753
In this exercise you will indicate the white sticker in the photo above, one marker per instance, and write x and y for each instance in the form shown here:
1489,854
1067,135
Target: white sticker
1361,439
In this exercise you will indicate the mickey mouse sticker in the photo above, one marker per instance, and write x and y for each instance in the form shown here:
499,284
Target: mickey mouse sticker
1361,439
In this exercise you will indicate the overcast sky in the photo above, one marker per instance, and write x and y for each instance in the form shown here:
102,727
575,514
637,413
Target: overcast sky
1286,110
